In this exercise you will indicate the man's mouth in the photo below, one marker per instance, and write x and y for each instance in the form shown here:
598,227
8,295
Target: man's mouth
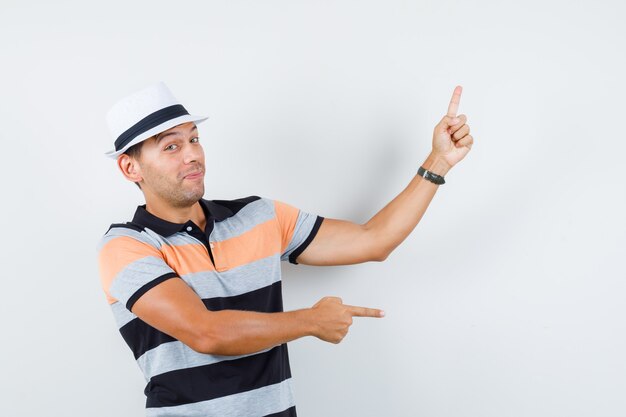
193,175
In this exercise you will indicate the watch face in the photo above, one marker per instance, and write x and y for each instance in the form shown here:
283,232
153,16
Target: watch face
434,178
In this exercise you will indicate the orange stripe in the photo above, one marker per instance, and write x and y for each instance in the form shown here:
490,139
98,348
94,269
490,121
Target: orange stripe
287,216
261,241
188,258
116,254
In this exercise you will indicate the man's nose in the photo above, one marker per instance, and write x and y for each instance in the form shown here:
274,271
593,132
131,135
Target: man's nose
192,153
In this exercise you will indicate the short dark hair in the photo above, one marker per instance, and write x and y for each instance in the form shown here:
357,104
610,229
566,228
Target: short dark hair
135,152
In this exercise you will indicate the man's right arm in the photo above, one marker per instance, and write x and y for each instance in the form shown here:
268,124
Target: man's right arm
175,309
134,273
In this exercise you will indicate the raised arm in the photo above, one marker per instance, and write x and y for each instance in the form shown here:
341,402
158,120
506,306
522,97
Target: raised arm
341,242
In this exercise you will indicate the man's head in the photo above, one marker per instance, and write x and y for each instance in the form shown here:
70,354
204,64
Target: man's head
156,145
161,165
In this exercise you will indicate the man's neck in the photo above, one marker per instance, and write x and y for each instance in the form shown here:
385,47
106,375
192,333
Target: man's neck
176,214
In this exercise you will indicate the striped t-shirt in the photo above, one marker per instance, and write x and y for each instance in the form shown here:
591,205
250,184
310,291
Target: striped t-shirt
233,264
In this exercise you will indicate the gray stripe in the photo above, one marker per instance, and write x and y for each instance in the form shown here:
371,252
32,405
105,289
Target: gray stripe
179,239
235,281
157,239
103,241
176,355
304,225
258,402
124,231
253,214
135,275
121,314
208,284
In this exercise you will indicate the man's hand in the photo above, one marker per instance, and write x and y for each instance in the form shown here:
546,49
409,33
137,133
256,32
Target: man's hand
333,318
451,138
341,242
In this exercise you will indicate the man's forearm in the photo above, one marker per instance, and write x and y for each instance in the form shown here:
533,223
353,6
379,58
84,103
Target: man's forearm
391,225
235,332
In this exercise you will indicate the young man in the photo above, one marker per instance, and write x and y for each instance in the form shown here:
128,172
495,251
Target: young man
195,284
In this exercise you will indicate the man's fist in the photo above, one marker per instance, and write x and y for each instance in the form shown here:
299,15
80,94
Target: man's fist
451,138
333,318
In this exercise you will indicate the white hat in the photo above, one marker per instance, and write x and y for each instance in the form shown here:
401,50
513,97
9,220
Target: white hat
144,114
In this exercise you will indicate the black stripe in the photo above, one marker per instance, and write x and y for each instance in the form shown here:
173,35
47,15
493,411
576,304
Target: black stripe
148,122
142,337
290,412
128,225
265,300
297,251
233,205
141,291
202,383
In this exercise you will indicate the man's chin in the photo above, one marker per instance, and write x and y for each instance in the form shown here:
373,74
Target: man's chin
190,196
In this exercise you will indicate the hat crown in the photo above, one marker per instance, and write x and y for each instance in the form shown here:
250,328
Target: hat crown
143,114
133,108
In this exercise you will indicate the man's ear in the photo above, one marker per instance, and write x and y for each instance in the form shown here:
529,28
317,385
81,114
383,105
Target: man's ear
130,168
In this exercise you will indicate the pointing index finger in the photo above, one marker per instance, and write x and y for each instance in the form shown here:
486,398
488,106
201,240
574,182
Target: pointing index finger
364,311
453,107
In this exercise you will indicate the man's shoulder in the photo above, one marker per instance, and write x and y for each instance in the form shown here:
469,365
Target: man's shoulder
238,203
250,206
129,231
128,225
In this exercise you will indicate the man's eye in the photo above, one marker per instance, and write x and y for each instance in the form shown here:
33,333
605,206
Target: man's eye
169,146
196,138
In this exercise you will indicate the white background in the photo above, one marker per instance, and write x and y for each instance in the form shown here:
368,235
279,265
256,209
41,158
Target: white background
506,300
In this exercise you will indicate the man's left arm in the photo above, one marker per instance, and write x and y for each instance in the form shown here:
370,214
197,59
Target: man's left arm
341,242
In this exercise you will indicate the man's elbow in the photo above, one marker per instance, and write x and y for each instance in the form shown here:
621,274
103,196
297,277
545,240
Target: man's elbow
213,337
203,337
204,344
380,256
223,344
375,251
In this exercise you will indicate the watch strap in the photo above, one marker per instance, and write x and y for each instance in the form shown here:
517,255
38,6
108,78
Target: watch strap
432,177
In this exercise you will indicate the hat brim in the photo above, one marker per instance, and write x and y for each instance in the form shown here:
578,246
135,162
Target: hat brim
155,130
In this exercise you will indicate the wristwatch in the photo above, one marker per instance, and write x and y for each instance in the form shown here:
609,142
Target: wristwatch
434,178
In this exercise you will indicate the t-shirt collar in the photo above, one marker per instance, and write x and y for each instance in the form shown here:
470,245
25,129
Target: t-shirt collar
212,210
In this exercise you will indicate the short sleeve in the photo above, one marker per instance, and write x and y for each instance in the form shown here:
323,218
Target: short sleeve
129,267
297,229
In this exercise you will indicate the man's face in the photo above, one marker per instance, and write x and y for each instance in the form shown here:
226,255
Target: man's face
166,162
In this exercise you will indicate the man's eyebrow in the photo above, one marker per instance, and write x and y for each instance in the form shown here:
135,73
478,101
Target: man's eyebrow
162,135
